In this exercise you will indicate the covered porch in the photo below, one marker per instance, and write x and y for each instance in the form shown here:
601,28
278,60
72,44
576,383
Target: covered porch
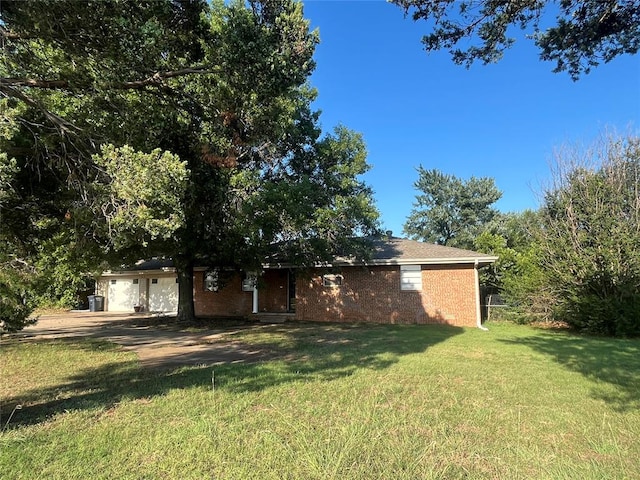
270,295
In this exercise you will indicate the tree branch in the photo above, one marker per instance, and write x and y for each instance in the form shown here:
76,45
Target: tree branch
9,35
158,77
155,79
60,123
33,82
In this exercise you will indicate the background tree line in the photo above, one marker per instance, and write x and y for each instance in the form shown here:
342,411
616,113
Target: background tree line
576,259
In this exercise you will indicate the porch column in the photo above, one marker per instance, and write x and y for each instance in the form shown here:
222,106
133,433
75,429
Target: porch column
252,278
255,297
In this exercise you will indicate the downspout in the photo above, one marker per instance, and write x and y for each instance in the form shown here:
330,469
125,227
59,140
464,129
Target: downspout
478,312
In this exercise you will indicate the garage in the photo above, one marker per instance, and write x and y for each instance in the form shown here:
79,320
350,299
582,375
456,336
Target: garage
163,294
123,293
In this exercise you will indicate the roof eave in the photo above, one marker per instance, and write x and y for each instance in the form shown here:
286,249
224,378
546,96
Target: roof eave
155,271
481,261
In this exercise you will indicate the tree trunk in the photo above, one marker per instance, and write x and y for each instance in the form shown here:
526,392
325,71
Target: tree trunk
186,309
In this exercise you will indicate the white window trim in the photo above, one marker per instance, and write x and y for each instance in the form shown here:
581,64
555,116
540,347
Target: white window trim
210,280
331,280
250,282
410,278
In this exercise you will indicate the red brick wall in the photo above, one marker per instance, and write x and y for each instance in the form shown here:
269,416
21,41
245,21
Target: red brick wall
228,301
372,294
368,294
232,301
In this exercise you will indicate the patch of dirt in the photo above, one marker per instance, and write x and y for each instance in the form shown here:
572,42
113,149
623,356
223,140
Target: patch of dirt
159,342
551,325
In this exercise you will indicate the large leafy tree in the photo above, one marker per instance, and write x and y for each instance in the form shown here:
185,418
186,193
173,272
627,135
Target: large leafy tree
590,240
209,99
313,206
16,302
585,33
76,75
449,210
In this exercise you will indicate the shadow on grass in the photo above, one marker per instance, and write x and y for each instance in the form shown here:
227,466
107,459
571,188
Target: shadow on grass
609,362
295,352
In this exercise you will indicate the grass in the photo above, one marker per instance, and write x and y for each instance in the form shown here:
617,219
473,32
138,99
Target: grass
357,402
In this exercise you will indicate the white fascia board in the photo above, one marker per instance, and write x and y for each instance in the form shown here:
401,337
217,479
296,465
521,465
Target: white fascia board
267,266
134,273
482,261
206,269
423,261
411,261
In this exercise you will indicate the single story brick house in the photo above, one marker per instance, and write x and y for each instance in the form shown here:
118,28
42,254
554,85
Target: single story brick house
405,281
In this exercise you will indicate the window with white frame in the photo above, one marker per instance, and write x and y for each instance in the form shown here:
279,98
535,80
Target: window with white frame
250,281
410,278
211,280
332,280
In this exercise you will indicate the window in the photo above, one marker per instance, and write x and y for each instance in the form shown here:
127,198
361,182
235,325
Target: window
113,282
154,280
211,281
249,282
331,280
135,281
410,278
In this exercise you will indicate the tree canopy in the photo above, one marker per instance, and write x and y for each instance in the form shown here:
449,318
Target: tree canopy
575,259
590,237
449,210
585,33
137,129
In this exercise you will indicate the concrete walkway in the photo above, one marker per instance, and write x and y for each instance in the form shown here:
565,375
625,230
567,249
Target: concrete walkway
158,341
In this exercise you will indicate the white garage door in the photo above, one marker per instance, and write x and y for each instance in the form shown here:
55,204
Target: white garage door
123,294
163,294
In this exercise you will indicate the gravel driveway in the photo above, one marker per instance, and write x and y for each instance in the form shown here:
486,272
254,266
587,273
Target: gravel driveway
158,341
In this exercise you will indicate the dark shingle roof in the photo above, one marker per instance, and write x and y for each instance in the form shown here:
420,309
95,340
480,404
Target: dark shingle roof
404,251
386,251
153,264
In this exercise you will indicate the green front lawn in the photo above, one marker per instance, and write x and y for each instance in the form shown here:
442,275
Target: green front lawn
343,402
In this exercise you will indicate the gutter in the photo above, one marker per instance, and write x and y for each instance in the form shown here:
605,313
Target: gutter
478,262
420,261
133,272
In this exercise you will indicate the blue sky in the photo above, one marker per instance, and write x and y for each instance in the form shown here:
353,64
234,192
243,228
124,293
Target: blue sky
412,108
